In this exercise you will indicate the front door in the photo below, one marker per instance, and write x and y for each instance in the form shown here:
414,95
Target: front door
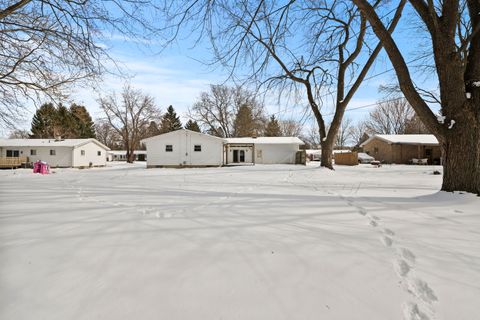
235,156
242,156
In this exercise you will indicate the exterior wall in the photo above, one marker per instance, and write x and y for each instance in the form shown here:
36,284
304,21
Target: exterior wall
401,153
91,155
275,153
380,150
62,157
248,149
183,153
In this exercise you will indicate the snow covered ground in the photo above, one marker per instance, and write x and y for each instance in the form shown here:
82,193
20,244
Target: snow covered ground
257,242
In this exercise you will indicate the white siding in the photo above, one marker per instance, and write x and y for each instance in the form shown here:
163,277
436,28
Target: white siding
62,157
183,154
91,155
275,153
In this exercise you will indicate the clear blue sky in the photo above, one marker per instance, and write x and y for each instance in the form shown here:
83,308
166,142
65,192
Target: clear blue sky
176,76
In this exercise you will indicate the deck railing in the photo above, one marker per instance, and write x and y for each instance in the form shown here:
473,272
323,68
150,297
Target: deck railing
12,162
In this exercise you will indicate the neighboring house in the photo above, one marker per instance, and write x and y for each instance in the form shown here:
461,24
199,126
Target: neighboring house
262,150
402,148
184,148
57,152
121,155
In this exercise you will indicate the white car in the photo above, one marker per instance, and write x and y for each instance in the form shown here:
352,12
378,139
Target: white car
364,158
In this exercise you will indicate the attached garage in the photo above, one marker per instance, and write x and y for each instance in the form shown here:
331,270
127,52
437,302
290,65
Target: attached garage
184,148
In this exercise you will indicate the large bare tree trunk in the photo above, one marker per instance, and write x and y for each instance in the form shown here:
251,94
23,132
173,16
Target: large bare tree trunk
461,155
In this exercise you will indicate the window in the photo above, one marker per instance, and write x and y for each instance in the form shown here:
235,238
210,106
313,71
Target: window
168,148
197,147
428,152
33,152
13,153
82,152
99,153
52,152
375,150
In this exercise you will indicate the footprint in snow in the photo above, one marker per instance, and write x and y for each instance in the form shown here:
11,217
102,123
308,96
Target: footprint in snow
387,241
362,211
407,255
422,290
389,232
373,223
412,312
401,267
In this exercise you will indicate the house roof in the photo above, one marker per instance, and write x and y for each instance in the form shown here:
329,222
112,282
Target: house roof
72,143
426,139
176,132
266,140
124,152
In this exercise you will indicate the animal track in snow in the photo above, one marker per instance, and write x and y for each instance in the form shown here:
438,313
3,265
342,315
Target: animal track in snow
373,223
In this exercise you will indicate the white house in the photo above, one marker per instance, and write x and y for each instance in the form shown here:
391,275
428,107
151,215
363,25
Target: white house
262,150
121,155
184,148
57,153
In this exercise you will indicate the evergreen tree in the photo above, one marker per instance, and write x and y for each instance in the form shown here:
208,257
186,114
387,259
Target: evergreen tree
83,125
192,125
65,124
273,128
43,122
244,125
170,121
152,130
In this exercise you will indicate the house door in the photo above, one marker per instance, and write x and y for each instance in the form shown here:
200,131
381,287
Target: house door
235,155
242,156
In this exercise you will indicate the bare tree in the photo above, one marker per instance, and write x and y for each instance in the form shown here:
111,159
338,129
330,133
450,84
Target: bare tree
359,132
453,26
130,114
390,117
344,133
290,128
263,36
216,110
47,46
107,135
19,134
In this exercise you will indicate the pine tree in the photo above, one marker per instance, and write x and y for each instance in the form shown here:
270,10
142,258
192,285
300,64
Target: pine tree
43,122
152,130
83,126
65,123
170,121
244,125
273,128
192,125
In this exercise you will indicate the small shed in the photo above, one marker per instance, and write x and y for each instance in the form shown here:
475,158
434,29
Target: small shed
184,148
262,150
402,148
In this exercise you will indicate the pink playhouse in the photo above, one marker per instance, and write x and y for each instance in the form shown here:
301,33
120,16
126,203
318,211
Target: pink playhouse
41,167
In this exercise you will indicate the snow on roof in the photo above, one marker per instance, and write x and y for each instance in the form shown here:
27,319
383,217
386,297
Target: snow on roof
266,140
73,143
177,132
428,139
124,152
